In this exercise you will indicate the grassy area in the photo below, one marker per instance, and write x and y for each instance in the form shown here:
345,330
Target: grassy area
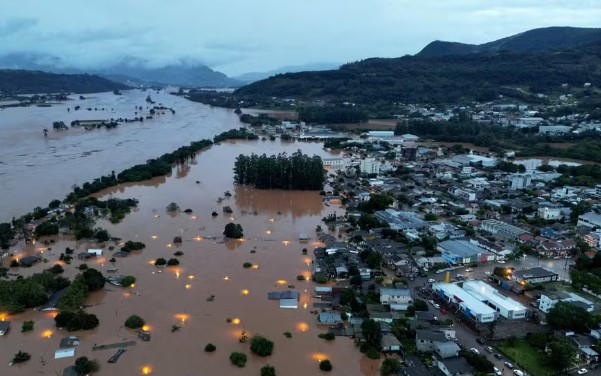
527,358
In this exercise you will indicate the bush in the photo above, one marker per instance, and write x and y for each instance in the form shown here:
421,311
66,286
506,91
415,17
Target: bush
160,262
210,347
27,326
247,265
56,269
321,279
325,365
300,277
268,370
83,266
132,246
372,353
261,346
172,207
233,230
327,336
84,366
14,263
128,281
21,357
178,253
177,239
73,321
390,366
134,322
287,334
172,262
238,359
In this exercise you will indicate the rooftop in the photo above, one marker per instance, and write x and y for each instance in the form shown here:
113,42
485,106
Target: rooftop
492,295
461,248
459,294
536,272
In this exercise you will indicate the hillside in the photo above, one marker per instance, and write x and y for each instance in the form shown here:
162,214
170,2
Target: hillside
550,38
446,79
34,82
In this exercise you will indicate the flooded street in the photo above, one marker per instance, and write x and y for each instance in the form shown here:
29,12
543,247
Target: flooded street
35,169
272,222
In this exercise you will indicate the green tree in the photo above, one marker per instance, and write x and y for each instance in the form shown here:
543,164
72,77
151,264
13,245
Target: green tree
390,366
128,281
569,317
134,322
93,279
210,347
85,366
233,230
267,370
27,326
238,359
6,235
21,357
562,354
261,346
325,365
372,334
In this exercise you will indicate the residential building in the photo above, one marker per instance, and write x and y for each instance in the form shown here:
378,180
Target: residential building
369,166
593,239
456,366
401,220
590,219
520,181
390,343
446,349
549,214
557,247
548,300
426,340
399,297
502,229
329,318
534,275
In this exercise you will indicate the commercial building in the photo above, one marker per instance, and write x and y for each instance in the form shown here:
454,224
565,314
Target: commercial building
590,220
401,220
507,307
463,252
534,275
520,181
469,305
548,300
502,229
369,166
334,164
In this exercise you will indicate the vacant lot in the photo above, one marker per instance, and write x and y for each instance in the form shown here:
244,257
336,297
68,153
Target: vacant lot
526,357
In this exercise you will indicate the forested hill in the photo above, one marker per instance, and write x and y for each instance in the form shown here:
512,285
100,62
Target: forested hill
544,39
37,82
445,79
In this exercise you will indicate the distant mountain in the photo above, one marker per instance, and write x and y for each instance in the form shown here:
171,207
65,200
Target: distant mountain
37,82
550,38
131,71
438,79
256,76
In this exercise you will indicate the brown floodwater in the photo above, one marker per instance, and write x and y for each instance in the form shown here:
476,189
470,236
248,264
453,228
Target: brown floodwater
272,221
35,169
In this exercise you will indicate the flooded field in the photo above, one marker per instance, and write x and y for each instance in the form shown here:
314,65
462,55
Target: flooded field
35,169
272,221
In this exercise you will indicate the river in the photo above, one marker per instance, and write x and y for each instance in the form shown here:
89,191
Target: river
272,221
35,169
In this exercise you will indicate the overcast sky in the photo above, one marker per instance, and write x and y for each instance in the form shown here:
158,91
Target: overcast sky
238,36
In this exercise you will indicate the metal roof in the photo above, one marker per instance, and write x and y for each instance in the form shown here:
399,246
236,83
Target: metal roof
492,295
470,301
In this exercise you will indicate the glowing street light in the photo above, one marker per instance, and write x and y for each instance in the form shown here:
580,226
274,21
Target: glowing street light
146,370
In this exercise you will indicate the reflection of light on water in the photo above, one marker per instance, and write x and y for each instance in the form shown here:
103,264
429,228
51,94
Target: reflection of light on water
51,314
169,245
319,356
198,238
177,274
146,328
307,260
302,326
226,278
245,292
305,306
255,266
151,262
286,242
191,276
193,217
236,321
183,317
3,316
146,370
188,286
271,220
281,282
232,218
100,260
132,285
268,232
47,333
154,237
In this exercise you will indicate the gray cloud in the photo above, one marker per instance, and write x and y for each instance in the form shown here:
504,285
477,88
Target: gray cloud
237,36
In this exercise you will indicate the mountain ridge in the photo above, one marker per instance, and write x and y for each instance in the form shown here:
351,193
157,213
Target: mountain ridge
20,81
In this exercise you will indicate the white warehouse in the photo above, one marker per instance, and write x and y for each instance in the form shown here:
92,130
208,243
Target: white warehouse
505,306
470,305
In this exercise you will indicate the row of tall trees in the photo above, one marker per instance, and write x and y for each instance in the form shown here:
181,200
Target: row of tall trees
297,171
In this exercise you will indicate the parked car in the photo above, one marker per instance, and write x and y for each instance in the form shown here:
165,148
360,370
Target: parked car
518,372
488,348
501,261
469,270
475,351
431,280
497,371
508,365
498,356
582,371
480,340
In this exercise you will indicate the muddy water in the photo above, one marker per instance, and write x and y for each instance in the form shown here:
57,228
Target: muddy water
271,221
35,169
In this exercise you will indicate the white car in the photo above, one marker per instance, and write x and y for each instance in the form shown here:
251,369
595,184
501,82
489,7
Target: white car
498,371
431,280
518,372
436,305
582,371
475,351
501,261
469,270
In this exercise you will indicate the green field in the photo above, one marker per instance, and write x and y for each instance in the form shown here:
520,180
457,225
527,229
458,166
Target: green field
525,357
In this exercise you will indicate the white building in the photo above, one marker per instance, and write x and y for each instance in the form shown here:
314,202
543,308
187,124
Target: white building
549,214
590,220
369,166
334,164
471,306
548,300
399,297
507,307
94,251
520,181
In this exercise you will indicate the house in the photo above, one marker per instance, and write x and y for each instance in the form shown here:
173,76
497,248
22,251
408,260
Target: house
585,344
590,220
329,318
557,247
70,371
426,340
29,260
549,214
4,327
395,296
455,366
95,251
446,349
401,220
534,275
470,305
70,341
504,305
64,353
593,239
548,300
51,304
390,343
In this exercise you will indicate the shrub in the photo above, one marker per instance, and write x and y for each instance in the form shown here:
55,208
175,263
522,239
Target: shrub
390,366
83,266
247,265
210,347
372,353
128,281
27,326
261,346
14,263
233,230
132,246
56,269
268,370
325,365
134,322
238,359
327,336
321,279
172,262
85,366
21,357
172,207
300,277
177,239
178,253
287,334
160,262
